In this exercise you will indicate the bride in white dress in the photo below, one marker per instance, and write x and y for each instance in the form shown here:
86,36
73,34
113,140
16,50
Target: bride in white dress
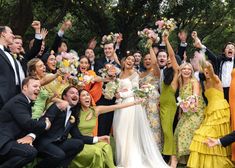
135,145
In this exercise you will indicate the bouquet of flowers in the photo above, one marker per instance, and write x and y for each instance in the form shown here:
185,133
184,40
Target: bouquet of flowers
143,91
165,25
111,38
188,104
145,35
84,79
110,89
67,63
109,71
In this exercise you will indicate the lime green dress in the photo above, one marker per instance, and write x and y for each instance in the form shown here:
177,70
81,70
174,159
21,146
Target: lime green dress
215,125
97,155
167,114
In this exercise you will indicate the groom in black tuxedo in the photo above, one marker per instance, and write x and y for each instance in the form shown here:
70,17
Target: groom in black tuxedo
223,65
9,70
54,145
16,122
105,120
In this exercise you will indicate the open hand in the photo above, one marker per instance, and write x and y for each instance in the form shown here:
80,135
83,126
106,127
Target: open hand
210,142
26,140
104,138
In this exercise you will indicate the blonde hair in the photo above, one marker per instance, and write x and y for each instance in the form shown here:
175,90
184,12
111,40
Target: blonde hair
182,66
31,66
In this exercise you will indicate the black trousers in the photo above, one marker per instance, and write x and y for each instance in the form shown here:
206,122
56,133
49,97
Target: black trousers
18,156
226,93
60,153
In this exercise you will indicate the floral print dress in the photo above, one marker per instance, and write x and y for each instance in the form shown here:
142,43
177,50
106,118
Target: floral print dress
188,123
152,108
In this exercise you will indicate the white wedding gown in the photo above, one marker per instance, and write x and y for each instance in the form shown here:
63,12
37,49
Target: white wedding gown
135,145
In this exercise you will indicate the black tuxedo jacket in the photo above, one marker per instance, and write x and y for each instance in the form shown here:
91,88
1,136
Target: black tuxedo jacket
16,122
217,62
8,87
58,130
228,139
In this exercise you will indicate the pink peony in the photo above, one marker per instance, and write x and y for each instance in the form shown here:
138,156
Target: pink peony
159,23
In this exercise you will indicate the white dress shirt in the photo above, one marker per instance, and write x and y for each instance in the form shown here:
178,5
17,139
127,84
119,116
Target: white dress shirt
227,68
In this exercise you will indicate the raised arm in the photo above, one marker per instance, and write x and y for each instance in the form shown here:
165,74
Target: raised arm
171,53
154,61
211,72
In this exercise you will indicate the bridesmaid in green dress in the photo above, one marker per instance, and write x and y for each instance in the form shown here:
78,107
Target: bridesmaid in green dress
151,76
97,155
168,103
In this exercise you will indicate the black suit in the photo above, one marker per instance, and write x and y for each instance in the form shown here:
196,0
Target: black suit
228,139
8,88
15,123
105,121
217,62
54,146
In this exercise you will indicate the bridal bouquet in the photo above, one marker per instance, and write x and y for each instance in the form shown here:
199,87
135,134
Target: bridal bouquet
110,89
109,71
111,38
145,35
67,63
143,91
188,104
165,25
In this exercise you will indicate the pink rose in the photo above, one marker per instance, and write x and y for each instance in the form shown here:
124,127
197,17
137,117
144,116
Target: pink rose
159,23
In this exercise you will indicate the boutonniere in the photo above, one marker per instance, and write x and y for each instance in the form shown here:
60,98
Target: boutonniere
72,119
20,57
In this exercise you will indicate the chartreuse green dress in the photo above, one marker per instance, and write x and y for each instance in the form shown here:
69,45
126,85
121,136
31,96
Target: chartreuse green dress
97,155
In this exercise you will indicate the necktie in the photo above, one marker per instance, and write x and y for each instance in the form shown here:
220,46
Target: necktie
7,49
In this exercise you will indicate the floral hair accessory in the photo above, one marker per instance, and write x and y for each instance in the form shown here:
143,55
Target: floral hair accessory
111,38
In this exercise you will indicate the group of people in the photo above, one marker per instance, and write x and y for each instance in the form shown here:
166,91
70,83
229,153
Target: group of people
186,118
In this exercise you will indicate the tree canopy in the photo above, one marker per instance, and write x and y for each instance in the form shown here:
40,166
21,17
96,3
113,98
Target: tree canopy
212,19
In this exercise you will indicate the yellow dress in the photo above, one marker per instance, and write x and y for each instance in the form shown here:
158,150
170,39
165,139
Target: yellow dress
216,124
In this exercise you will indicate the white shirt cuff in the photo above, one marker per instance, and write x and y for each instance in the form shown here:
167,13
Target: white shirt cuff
32,135
219,143
95,139
60,33
47,126
38,36
203,48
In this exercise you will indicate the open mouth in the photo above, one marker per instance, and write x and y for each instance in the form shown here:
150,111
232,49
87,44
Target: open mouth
74,98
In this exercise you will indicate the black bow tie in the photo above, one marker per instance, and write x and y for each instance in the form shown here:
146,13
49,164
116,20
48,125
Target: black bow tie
7,49
227,59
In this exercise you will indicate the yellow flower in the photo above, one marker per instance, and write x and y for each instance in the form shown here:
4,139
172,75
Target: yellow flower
80,78
59,78
66,63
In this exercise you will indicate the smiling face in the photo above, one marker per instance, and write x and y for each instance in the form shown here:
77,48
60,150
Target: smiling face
186,70
147,61
229,50
8,36
129,62
32,89
72,96
40,69
90,54
16,46
51,62
162,59
138,57
85,99
109,50
63,47
84,64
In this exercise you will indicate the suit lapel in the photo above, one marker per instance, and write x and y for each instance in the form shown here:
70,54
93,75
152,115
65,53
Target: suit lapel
5,58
